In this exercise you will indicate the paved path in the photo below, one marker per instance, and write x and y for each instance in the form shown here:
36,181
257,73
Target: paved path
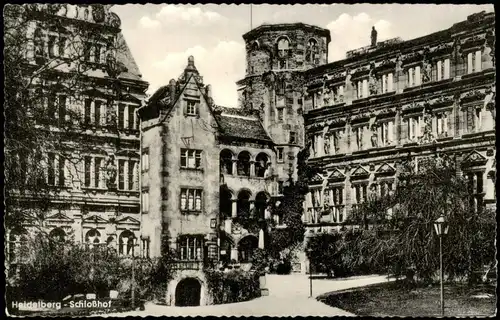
288,296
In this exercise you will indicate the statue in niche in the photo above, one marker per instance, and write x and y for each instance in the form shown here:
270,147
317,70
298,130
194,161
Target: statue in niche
326,144
374,137
336,137
426,67
326,96
427,118
111,172
372,80
348,82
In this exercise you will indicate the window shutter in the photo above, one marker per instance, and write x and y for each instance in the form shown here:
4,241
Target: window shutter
447,68
477,67
469,63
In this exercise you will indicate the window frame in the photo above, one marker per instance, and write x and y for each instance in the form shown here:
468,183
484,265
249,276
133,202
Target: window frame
197,193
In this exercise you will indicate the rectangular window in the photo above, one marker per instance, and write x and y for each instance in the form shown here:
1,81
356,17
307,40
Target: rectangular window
190,158
358,135
121,115
131,175
280,187
131,116
52,46
62,46
289,101
97,112
293,137
191,199
88,170
145,160
385,133
280,152
360,193
62,109
192,107
97,53
51,175
121,174
474,61
88,106
145,201
51,107
442,125
190,248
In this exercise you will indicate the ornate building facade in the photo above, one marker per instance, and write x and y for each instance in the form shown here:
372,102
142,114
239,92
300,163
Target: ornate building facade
89,89
366,114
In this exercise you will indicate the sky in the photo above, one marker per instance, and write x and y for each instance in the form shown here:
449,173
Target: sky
163,36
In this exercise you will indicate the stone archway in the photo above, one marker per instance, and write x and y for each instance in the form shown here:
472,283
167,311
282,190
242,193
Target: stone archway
188,293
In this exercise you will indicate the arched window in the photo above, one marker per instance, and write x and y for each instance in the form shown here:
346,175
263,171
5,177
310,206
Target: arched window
57,234
255,46
283,53
93,237
225,203
226,162
244,163
126,243
312,50
243,205
261,164
261,204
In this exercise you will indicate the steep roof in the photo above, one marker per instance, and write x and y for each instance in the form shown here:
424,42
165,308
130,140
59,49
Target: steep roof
125,56
237,123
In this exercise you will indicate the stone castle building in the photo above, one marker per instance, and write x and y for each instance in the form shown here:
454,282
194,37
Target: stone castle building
365,115
92,186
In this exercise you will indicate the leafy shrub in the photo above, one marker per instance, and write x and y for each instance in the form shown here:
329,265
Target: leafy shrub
232,286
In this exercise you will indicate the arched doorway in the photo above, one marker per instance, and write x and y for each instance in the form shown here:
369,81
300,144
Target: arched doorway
188,293
246,247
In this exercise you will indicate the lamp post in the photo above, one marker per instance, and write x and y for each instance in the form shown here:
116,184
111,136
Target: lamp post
441,227
309,251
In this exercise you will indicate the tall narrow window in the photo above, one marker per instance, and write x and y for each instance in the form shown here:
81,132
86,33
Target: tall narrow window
97,112
88,106
145,201
87,165
97,172
293,137
51,175
121,116
121,174
474,61
131,116
145,160
62,109
280,152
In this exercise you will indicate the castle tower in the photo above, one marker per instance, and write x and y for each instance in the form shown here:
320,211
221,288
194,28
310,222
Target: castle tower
276,57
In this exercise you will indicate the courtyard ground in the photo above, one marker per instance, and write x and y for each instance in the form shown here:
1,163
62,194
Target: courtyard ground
392,299
288,296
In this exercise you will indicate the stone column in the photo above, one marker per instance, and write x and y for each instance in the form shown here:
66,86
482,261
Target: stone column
234,208
235,167
252,207
234,254
252,168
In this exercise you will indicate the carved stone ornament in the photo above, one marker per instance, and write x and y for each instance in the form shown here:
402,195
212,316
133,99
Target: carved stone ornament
98,13
114,20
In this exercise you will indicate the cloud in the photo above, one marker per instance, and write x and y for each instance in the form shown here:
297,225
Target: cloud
352,32
221,66
148,23
172,14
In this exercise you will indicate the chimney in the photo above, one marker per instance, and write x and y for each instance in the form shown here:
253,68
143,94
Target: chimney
374,37
171,85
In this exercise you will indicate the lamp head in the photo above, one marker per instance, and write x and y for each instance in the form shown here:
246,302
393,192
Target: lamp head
441,226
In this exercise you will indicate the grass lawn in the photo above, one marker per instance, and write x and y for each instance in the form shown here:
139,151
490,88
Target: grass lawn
392,299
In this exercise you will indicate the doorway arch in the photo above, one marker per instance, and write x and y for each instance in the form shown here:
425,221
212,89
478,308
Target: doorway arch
188,293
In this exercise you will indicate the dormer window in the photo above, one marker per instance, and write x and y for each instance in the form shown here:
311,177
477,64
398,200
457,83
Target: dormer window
192,107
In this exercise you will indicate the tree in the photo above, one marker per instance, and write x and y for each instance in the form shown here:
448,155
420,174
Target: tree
399,227
50,67
284,241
